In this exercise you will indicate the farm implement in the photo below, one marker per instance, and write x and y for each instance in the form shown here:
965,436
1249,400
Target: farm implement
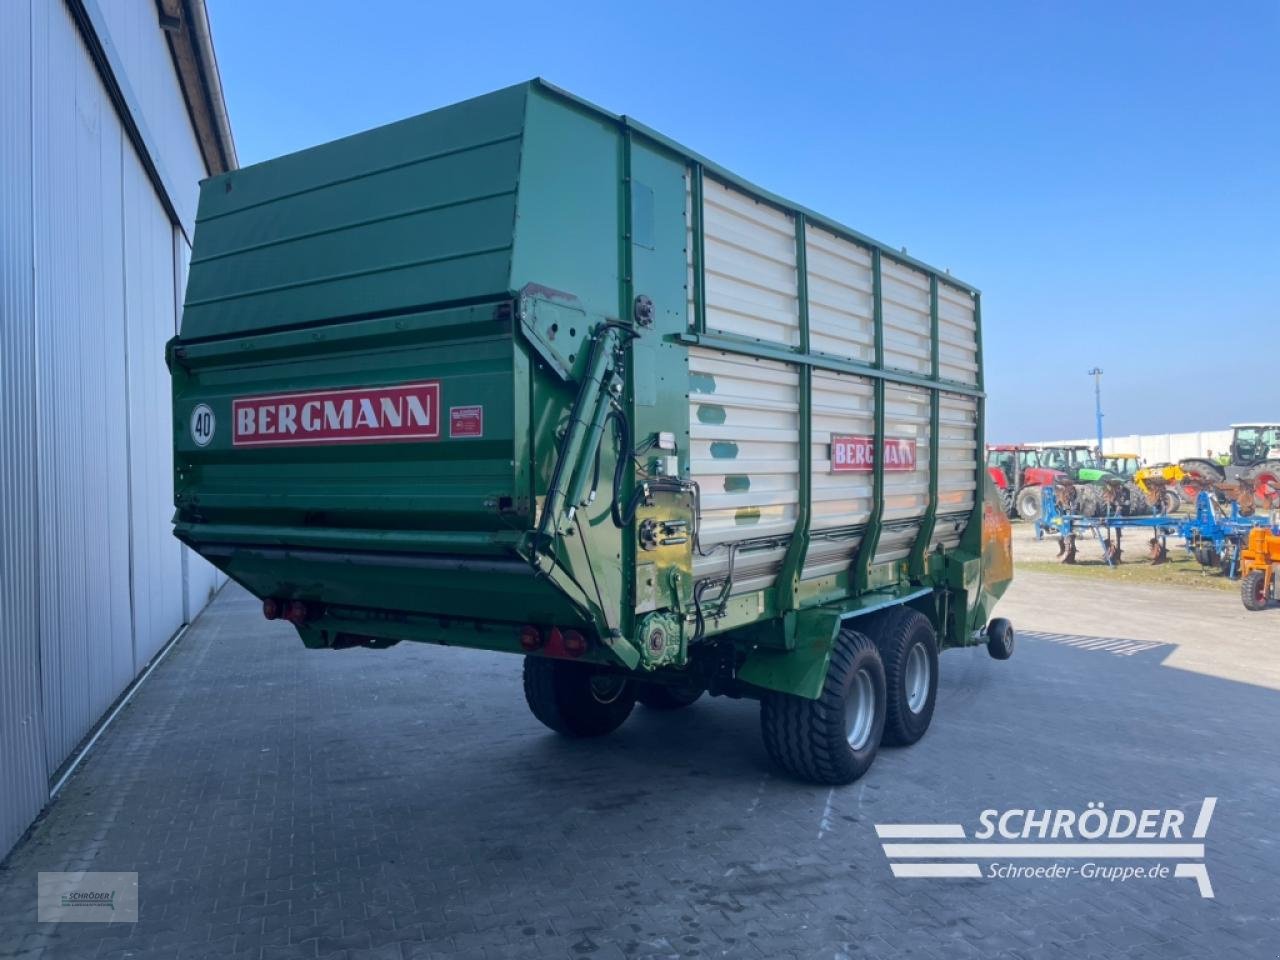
1216,535
1259,564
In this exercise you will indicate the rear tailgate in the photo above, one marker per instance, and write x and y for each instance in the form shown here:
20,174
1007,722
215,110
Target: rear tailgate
389,434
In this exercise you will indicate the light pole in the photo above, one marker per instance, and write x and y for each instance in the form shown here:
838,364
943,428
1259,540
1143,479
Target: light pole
1096,373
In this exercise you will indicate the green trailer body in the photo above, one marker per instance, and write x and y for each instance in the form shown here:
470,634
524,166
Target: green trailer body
524,375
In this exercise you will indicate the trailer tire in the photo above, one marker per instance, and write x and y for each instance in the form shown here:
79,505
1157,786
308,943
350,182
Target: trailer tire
909,648
1253,590
1029,503
661,696
832,740
567,697
1000,639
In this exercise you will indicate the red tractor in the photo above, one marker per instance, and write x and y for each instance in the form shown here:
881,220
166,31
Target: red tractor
1020,472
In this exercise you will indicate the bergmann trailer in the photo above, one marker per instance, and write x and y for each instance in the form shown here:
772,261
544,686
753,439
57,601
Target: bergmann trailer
523,375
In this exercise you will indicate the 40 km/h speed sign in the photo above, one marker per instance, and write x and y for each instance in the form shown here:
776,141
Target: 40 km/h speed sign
202,425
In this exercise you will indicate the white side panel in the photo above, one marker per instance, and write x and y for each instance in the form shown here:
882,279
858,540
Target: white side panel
841,309
841,404
690,287
957,336
957,455
905,293
906,413
750,250
744,454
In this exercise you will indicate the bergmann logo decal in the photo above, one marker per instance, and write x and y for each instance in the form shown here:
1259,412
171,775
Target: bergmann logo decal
850,454
1093,844
406,411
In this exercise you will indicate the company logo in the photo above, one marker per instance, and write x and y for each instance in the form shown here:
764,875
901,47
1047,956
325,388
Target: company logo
407,411
90,898
86,897
850,454
1094,844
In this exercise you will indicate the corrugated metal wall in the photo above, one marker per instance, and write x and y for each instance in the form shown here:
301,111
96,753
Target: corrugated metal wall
22,757
92,583
144,54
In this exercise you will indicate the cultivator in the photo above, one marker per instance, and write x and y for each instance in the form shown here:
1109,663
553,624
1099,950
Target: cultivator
1105,497
1214,535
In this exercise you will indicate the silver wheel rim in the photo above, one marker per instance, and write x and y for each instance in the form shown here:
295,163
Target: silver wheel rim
860,710
606,688
917,678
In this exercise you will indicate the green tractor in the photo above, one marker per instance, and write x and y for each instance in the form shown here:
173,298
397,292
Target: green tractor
1095,485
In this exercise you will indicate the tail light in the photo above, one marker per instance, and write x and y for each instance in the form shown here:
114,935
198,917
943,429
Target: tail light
530,638
575,644
271,608
295,611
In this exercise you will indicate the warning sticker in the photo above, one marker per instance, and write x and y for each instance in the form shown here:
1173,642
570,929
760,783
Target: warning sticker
466,421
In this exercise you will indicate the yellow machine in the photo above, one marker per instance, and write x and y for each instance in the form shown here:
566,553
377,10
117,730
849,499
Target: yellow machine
1259,562
1159,482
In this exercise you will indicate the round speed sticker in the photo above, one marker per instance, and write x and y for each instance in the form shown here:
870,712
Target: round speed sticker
202,424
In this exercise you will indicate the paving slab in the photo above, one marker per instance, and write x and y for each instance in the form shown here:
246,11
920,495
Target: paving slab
279,802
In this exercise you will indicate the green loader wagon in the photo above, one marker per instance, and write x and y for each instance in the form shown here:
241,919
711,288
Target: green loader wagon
523,375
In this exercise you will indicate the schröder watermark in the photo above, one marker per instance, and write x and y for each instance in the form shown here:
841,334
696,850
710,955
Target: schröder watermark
86,897
1096,844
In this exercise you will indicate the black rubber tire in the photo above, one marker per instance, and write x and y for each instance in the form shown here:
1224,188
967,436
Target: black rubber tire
1207,556
1139,505
1028,503
1227,563
895,634
1088,502
807,738
1006,498
1000,639
1251,587
559,694
1170,501
661,696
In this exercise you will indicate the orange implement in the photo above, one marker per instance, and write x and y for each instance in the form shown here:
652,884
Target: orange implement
1259,562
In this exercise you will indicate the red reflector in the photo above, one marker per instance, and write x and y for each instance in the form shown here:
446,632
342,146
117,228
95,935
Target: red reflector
575,644
271,608
296,611
530,637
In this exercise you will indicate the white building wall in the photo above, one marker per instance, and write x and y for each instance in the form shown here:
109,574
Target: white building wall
92,582
1161,447
149,72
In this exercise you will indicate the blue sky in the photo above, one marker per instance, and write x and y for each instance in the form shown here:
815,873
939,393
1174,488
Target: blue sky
1108,174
